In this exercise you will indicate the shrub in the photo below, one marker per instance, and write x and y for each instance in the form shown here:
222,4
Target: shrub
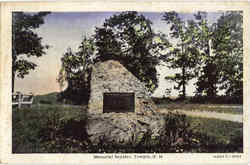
177,128
63,130
176,134
64,136
70,136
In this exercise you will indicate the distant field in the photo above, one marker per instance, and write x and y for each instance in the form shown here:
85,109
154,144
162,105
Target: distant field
50,98
221,108
60,128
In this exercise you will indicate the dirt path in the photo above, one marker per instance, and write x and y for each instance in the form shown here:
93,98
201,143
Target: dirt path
206,114
227,106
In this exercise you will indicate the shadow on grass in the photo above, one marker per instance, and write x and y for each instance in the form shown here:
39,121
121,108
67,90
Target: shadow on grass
63,131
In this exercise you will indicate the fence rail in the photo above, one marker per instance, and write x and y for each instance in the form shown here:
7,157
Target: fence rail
22,99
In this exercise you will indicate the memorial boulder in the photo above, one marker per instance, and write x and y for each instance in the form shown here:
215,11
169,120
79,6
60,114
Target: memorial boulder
112,82
120,108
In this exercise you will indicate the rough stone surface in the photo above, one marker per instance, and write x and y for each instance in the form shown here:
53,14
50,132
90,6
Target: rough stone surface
124,128
120,128
111,76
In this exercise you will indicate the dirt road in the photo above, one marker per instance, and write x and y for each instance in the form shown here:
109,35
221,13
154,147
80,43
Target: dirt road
208,114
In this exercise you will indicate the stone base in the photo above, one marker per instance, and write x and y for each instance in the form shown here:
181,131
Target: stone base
123,128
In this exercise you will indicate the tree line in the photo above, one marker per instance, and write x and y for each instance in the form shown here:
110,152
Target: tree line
211,53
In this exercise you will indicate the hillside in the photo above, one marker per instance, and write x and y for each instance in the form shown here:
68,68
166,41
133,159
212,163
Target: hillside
50,98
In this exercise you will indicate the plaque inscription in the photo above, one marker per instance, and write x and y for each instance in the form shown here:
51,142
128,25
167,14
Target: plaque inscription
118,102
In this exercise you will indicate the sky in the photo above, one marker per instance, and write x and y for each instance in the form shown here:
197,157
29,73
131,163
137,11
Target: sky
63,30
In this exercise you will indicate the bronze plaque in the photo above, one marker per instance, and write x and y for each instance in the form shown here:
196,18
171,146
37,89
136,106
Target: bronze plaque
118,102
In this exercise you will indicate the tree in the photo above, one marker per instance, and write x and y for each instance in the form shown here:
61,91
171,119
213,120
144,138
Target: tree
26,42
76,70
209,73
129,39
222,57
184,56
228,46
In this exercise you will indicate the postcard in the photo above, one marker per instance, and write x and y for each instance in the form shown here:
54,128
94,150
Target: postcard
124,82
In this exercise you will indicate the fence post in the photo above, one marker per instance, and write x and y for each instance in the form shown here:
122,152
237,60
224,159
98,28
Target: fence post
19,101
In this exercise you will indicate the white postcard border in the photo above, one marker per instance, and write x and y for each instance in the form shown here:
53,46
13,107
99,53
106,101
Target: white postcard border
5,81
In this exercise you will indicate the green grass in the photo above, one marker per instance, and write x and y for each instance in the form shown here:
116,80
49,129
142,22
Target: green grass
31,125
203,107
219,133
50,98
61,129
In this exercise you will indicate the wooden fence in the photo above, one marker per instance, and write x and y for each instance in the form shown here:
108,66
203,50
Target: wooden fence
20,99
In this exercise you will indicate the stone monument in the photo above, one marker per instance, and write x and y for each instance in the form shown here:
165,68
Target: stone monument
120,109
112,78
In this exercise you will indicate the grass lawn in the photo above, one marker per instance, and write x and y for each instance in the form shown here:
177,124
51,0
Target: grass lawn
220,108
60,129
30,126
50,98
219,133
